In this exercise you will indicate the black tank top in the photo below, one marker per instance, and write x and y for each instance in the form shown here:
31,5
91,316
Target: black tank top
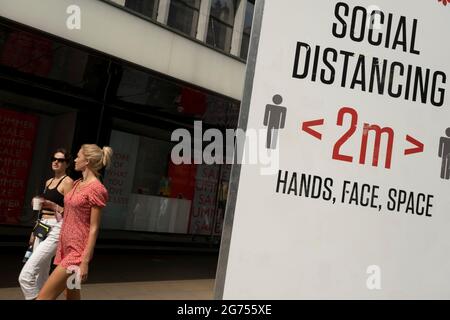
53,194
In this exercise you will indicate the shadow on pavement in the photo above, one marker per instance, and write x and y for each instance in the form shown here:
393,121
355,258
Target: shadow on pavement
113,266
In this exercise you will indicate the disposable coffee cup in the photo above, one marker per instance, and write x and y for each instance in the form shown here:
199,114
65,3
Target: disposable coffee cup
37,203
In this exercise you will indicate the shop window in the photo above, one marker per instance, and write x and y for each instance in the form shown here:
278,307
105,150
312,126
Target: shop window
148,192
221,22
52,63
140,90
247,29
183,16
148,8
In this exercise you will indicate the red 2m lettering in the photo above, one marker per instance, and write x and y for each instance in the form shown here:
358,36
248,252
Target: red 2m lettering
376,150
366,130
347,135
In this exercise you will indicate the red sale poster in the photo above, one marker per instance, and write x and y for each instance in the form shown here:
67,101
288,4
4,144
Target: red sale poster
203,209
17,136
182,180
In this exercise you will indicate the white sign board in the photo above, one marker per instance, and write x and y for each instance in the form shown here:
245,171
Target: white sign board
360,205
119,179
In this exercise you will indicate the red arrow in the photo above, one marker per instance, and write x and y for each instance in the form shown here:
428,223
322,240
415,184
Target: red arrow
306,126
418,145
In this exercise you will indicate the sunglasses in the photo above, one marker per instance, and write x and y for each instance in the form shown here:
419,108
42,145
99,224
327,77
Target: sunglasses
60,160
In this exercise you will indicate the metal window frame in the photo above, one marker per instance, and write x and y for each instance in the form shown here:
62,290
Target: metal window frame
234,17
155,9
165,26
194,9
220,22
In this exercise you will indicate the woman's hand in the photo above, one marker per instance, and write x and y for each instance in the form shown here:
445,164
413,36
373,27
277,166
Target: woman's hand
50,205
84,269
47,204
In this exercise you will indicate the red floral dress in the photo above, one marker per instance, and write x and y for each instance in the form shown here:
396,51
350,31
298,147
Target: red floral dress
77,217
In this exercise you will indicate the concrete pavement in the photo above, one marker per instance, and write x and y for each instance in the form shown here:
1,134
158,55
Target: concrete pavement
151,290
130,274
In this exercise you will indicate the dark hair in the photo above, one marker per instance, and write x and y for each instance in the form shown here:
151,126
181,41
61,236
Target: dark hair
67,156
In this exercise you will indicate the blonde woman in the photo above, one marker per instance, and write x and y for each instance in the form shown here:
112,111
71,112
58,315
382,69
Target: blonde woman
82,211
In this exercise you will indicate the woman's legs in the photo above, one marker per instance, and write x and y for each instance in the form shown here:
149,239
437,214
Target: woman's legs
30,272
35,271
55,285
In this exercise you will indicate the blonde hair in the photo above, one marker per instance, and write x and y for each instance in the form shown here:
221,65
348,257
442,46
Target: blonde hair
97,157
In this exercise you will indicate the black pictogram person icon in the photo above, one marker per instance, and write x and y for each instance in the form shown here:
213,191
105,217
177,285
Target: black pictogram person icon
274,119
444,153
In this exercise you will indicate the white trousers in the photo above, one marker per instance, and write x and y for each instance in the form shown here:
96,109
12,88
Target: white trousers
36,270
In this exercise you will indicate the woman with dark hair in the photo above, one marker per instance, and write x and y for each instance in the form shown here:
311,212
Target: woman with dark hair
36,270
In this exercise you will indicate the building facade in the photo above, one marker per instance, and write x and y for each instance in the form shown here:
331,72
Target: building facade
124,73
